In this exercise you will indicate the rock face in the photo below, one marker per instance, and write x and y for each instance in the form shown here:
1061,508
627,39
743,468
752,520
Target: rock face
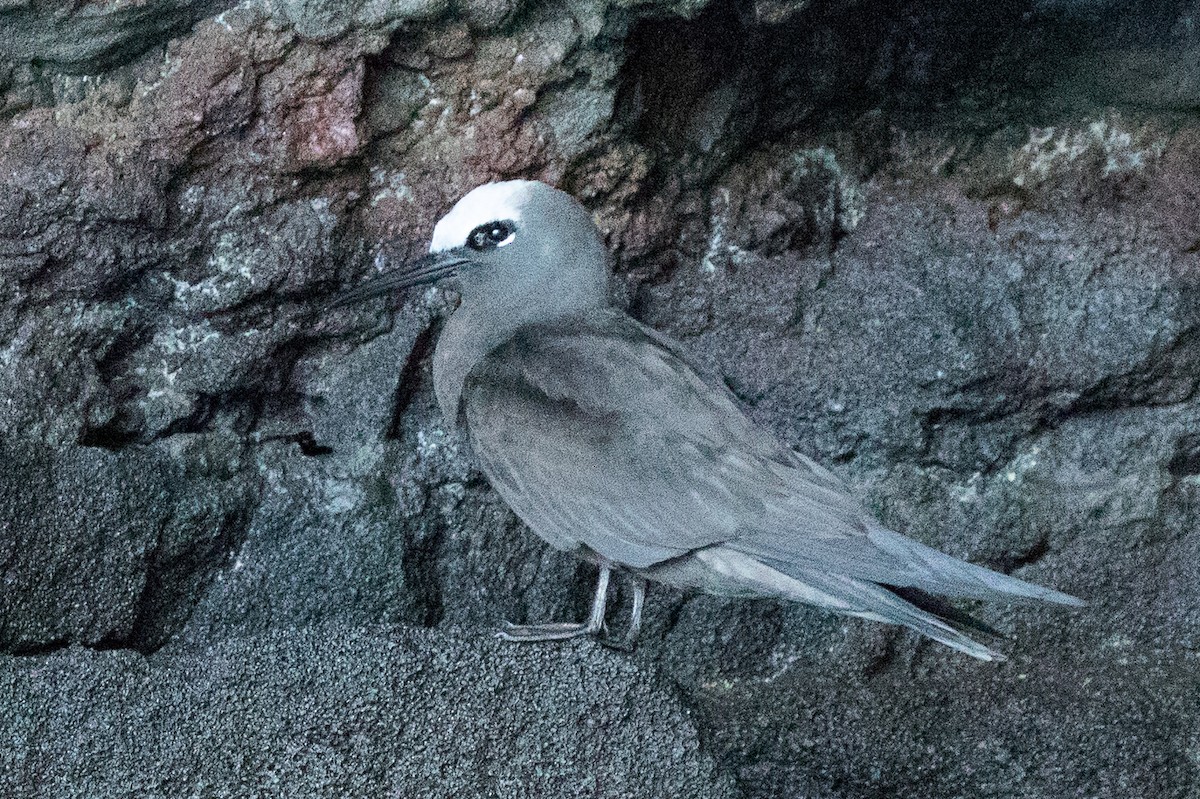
381,712
949,250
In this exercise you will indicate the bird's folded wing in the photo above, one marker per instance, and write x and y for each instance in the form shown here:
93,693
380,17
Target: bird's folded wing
598,433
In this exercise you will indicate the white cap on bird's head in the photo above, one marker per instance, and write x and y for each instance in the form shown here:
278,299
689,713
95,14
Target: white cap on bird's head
516,240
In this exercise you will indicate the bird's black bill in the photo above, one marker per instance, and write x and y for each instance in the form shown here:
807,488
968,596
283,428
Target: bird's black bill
428,269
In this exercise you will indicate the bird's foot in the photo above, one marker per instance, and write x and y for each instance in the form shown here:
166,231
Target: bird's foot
562,631
629,642
595,625
556,631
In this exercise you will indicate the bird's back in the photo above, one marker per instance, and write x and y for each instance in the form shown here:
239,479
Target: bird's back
599,419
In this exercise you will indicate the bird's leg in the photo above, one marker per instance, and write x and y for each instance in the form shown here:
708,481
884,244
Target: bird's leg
560,631
635,615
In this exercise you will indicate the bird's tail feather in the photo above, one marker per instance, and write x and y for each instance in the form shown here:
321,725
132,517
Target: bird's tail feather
845,595
876,602
956,618
949,575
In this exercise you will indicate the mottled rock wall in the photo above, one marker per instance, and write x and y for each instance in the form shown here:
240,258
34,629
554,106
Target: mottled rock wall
949,249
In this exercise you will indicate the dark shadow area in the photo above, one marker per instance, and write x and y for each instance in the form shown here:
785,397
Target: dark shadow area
731,73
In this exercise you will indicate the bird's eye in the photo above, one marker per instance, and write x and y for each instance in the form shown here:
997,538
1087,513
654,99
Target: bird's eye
493,234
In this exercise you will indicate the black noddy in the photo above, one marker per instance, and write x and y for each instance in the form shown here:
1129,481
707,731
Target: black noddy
606,441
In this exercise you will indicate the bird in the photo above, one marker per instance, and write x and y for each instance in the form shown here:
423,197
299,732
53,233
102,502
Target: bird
603,436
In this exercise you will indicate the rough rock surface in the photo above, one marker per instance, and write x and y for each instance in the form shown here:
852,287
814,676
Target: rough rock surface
949,249
370,712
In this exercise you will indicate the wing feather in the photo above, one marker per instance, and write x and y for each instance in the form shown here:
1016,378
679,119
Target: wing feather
599,434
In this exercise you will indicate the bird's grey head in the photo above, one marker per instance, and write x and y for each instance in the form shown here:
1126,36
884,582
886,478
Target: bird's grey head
517,243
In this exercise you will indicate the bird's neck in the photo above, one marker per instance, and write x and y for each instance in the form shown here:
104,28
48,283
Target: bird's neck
475,329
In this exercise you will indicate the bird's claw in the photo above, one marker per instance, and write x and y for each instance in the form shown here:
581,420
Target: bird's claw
532,633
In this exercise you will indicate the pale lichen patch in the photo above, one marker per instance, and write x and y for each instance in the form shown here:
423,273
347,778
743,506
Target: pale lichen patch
1053,151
